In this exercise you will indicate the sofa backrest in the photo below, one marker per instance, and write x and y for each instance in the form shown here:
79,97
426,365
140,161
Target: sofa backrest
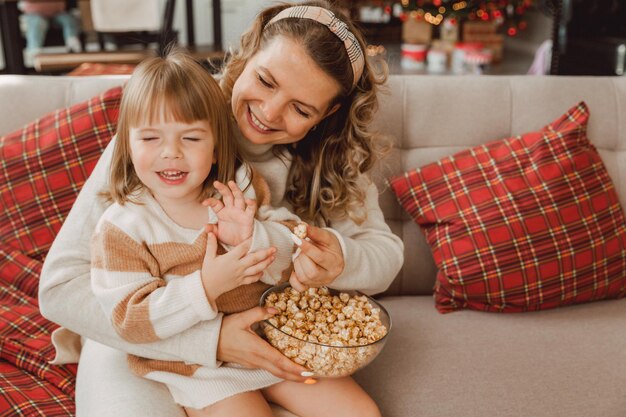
25,98
427,117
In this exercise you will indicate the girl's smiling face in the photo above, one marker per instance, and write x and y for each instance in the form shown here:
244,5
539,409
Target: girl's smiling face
281,94
172,159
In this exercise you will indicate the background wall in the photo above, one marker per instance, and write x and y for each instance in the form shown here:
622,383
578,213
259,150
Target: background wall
236,17
539,30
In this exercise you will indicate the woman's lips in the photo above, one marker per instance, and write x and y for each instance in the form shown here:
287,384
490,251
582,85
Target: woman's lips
256,123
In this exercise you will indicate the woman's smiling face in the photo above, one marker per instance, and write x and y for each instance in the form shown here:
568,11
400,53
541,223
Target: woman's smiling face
281,94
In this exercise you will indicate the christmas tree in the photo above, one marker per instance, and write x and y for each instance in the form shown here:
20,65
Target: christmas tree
505,13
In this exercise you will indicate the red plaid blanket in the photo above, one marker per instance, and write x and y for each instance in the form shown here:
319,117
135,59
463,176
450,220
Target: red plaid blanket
28,384
42,168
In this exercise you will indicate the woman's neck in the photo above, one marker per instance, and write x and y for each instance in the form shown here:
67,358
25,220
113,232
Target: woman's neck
253,152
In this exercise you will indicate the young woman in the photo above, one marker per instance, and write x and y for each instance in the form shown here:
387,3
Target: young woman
303,95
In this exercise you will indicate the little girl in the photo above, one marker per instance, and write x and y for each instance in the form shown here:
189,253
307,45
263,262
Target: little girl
156,271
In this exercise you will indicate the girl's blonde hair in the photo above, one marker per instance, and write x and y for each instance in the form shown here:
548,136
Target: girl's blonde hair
176,87
326,177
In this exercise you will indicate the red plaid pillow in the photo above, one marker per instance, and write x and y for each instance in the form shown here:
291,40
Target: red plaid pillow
526,223
44,165
42,168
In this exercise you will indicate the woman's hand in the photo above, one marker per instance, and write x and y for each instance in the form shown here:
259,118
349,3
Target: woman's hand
320,261
239,344
235,214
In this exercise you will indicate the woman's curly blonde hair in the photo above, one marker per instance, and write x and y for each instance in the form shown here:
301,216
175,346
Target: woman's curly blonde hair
325,180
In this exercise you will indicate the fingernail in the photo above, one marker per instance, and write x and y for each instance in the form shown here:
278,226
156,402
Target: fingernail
310,381
272,310
213,219
307,373
296,239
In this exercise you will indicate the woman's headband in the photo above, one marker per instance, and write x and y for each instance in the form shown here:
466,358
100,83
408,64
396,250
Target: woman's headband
337,26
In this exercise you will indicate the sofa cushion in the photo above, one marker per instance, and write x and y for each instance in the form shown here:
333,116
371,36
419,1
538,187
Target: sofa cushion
44,165
553,363
525,223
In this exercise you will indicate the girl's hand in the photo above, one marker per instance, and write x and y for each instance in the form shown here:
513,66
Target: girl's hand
320,260
222,273
239,344
235,214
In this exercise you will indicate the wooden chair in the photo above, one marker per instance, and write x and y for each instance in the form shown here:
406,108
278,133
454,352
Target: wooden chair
164,36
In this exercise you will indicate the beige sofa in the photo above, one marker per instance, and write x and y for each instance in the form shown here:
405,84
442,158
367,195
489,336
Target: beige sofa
568,362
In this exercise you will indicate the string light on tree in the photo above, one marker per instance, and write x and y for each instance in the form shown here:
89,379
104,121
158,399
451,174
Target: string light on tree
506,13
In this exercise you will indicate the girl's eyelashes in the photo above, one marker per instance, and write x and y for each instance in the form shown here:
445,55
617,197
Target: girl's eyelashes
191,139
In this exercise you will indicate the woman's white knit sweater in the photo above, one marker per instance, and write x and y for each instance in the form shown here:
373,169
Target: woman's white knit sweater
373,256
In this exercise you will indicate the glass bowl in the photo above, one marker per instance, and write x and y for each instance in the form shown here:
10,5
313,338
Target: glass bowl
324,359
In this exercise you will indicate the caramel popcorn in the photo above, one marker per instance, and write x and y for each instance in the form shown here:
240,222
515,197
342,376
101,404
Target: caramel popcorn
300,230
341,329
